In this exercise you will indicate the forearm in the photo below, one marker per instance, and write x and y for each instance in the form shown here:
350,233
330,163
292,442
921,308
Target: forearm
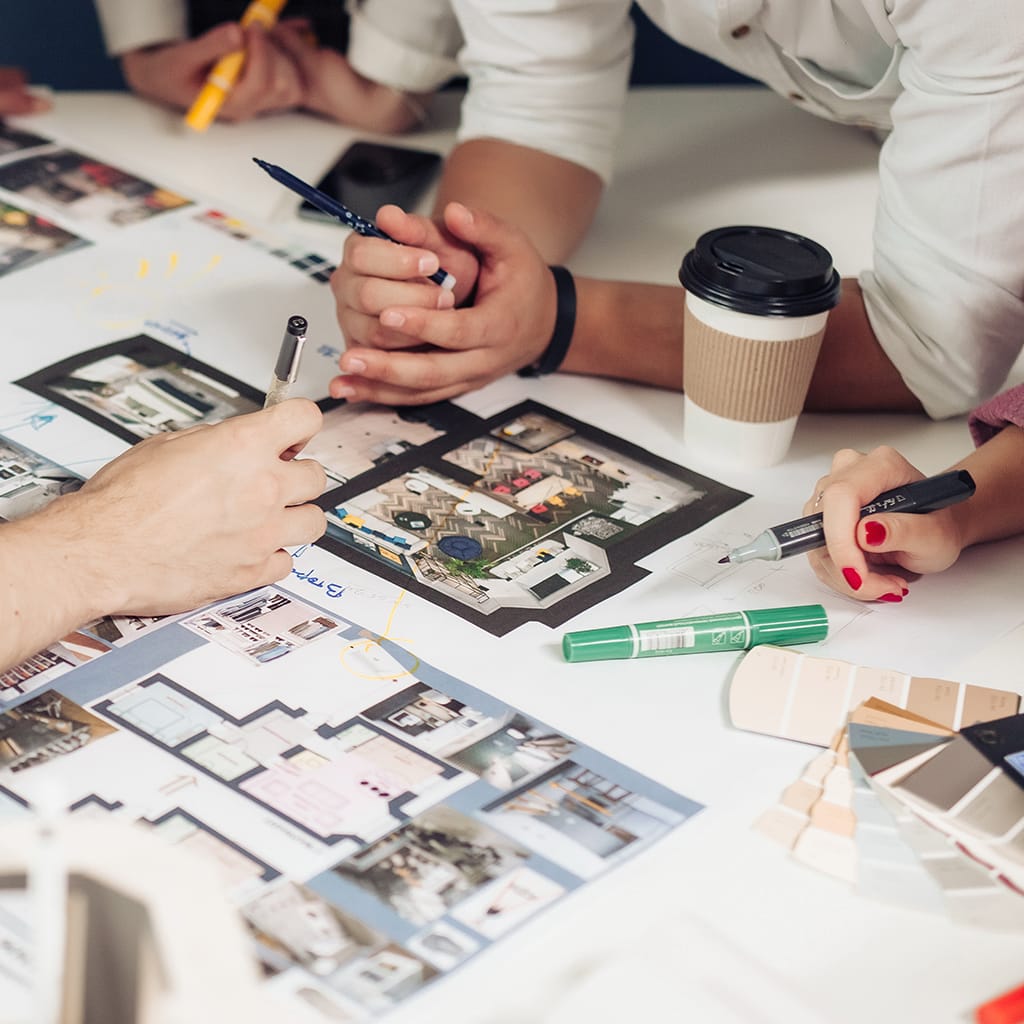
50,578
552,200
853,373
628,330
997,508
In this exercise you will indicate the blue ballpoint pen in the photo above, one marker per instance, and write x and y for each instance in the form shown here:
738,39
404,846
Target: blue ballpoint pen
333,208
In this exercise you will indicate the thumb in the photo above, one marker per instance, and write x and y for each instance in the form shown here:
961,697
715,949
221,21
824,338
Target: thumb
490,236
921,543
214,44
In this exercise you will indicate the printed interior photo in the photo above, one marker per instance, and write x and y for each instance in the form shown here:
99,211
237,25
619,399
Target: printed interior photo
580,819
14,139
518,750
86,189
431,864
26,239
46,727
263,625
139,387
533,516
79,647
292,924
29,481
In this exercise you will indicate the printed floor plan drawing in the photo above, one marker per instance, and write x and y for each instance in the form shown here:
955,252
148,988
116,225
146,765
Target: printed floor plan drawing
375,830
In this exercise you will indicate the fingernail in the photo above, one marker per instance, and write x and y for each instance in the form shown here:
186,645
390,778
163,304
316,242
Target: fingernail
891,598
874,533
428,265
905,591
391,318
339,389
852,578
353,364
39,105
445,298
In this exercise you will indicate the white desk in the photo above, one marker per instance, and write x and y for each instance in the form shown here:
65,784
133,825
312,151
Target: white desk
690,160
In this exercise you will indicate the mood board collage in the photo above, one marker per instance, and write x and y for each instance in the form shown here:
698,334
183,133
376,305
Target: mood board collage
377,819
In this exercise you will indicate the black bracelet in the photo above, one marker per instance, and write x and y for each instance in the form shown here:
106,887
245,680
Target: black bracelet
565,323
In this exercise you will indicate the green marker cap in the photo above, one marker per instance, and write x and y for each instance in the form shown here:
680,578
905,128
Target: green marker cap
599,644
798,624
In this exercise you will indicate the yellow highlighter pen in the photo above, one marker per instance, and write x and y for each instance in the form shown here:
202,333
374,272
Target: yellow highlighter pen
225,72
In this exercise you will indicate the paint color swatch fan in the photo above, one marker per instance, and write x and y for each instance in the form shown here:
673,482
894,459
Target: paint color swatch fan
126,930
899,804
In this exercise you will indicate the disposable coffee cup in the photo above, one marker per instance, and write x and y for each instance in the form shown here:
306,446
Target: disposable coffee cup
757,301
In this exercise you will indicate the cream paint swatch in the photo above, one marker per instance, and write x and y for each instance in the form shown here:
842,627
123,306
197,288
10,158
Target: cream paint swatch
815,818
786,693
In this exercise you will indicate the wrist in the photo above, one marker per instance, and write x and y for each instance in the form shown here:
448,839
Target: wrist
553,355
72,543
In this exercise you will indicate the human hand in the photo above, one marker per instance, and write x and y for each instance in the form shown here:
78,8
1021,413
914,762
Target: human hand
387,319
15,97
333,88
183,519
859,551
174,73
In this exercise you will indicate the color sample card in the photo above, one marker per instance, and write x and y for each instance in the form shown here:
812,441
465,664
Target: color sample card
797,696
296,256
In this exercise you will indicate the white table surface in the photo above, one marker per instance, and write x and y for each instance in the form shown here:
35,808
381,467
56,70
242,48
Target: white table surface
690,159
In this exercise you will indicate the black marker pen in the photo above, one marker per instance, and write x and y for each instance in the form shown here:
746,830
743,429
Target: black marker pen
801,535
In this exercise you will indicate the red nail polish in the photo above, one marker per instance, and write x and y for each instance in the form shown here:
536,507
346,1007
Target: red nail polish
852,578
905,591
894,598
874,533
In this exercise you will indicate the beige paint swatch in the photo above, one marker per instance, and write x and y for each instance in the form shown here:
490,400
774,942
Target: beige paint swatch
787,693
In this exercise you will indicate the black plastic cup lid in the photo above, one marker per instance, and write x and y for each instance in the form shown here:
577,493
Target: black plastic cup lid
763,271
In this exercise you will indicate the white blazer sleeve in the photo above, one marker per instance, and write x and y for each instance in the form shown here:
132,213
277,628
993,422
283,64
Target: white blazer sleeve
131,24
946,295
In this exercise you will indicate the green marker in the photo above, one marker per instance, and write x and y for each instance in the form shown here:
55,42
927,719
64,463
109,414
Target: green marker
701,634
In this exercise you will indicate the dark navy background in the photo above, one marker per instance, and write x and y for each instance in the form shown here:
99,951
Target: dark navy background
58,43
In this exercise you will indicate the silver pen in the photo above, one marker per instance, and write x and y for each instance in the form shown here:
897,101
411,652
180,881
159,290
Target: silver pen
287,367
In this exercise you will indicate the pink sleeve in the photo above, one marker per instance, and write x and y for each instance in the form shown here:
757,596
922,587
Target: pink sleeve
1005,409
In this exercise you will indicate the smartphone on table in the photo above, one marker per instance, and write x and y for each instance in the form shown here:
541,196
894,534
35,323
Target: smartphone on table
370,174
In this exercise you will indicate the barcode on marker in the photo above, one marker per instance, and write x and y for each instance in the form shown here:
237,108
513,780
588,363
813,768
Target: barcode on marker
668,639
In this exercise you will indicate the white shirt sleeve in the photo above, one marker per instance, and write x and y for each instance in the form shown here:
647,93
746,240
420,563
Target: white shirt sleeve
131,24
408,46
549,74
946,295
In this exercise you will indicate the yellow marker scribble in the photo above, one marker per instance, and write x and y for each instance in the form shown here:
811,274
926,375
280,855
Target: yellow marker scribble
172,263
143,271
366,643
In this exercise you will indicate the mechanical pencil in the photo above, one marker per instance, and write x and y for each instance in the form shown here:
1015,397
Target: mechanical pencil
223,75
700,634
333,208
287,367
801,535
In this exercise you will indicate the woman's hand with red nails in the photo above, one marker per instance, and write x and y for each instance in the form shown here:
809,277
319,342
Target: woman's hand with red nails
870,558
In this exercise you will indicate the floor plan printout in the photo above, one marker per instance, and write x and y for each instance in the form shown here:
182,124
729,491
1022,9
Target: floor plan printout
375,820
